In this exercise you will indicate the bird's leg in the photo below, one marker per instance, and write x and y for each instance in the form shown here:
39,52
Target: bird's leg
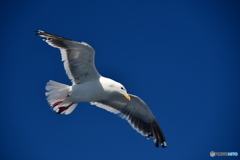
58,102
61,109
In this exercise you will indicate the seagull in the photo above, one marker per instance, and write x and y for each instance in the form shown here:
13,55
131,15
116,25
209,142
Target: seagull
89,86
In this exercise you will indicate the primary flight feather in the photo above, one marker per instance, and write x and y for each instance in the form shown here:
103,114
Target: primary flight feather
89,86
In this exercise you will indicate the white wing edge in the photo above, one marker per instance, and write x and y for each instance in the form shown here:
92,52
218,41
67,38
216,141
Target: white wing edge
106,107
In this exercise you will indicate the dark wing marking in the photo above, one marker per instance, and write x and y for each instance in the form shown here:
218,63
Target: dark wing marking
139,116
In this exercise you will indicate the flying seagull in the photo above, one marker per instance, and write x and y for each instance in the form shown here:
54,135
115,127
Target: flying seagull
89,86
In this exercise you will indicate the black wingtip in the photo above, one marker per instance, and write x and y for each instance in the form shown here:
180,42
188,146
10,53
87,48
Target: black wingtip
38,32
49,35
158,135
163,145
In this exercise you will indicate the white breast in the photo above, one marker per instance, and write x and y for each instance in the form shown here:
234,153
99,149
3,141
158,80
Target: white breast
89,91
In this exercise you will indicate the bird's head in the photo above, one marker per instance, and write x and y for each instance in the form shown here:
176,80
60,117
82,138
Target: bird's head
124,92
118,88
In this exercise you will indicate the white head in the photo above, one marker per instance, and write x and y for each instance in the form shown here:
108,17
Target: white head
115,87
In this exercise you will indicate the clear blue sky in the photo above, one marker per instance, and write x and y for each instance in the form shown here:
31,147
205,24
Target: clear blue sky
181,57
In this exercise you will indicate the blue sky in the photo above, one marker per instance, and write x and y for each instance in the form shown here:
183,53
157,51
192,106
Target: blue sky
180,57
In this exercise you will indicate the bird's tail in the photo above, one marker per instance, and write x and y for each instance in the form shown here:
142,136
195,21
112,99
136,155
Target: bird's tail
57,96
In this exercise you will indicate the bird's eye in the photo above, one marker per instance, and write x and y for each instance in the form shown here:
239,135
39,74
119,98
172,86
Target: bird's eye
122,88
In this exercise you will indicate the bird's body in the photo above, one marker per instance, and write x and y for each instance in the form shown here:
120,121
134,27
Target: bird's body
89,86
87,91
91,90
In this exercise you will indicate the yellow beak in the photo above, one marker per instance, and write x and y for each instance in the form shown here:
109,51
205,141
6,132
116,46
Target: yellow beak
127,96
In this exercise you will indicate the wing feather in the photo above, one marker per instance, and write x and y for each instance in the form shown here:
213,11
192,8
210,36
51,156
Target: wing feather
138,115
78,57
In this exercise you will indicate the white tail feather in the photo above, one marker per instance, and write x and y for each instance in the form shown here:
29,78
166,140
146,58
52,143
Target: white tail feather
57,92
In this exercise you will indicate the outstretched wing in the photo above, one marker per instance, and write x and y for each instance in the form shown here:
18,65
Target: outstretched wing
78,57
138,115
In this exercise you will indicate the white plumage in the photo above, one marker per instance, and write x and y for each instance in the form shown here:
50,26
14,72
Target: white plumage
89,86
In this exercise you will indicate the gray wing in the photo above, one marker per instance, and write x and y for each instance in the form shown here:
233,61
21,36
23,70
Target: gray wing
78,57
138,115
